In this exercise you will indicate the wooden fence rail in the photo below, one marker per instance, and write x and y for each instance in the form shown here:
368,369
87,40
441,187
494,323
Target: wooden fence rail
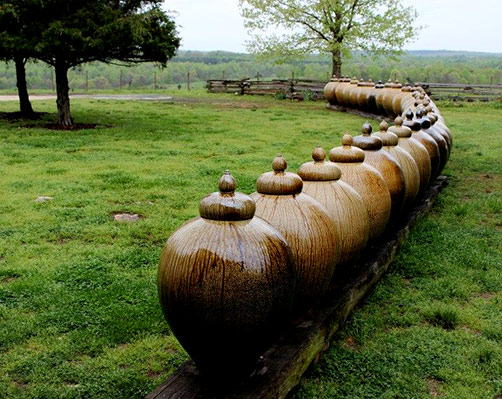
314,90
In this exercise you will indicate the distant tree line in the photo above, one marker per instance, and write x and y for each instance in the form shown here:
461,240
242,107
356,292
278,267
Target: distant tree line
202,66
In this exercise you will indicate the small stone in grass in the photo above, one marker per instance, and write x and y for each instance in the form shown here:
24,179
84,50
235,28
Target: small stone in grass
126,217
44,199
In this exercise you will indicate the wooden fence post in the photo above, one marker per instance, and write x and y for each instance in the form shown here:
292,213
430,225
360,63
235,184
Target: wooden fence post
188,81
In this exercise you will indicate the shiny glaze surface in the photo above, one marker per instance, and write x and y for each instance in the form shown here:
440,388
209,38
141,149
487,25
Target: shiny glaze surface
321,180
416,149
366,181
405,161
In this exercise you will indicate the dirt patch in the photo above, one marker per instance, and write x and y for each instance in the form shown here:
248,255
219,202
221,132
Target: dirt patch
16,116
9,279
153,374
351,344
434,386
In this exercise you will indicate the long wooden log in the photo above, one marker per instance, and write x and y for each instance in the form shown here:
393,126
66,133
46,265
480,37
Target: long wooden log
281,367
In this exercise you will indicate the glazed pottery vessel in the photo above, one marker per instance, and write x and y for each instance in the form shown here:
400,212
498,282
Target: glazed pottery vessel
226,281
385,163
415,149
367,181
405,161
371,103
340,90
321,180
305,224
365,88
425,124
381,97
427,141
330,90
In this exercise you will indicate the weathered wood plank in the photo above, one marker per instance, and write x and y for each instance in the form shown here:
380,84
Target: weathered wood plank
281,367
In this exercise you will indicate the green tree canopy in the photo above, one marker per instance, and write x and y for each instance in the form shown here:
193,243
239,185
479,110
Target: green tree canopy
379,27
72,32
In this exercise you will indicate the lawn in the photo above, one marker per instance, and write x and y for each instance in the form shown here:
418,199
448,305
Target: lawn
79,313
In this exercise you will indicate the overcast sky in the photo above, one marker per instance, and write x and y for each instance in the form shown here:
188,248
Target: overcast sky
472,25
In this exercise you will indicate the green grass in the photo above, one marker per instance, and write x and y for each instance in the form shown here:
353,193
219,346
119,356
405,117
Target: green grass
79,313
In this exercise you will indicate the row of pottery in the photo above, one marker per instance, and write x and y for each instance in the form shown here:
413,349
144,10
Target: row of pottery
229,279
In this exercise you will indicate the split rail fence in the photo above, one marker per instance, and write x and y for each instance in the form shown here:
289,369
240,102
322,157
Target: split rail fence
303,89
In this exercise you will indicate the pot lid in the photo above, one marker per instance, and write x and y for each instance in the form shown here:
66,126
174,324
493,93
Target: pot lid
366,141
410,122
388,138
227,204
279,182
406,89
399,130
319,169
388,84
347,153
397,85
425,123
354,81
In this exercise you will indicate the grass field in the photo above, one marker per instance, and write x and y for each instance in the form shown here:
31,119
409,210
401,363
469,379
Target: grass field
79,313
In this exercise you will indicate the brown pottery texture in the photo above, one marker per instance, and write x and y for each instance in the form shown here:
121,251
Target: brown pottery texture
385,163
321,180
305,224
330,90
416,149
405,161
226,281
425,125
367,181
427,141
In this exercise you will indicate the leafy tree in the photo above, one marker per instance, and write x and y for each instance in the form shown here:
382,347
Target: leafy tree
337,27
17,43
74,32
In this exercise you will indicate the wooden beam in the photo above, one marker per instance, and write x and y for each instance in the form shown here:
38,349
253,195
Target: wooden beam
281,367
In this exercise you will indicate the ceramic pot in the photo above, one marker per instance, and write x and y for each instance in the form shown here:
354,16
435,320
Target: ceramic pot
381,97
329,90
438,124
340,89
321,180
416,149
427,141
371,103
367,181
388,100
405,161
425,124
306,225
365,89
385,163
225,282
353,94
402,100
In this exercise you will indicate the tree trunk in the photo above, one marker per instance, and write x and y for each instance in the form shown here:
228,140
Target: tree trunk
63,98
336,60
22,89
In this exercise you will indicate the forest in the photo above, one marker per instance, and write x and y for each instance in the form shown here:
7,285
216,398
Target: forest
415,66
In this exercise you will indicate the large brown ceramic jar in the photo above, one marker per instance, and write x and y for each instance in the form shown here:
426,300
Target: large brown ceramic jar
415,149
381,97
437,128
321,180
367,181
402,100
306,225
371,103
354,94
425,124
329,90
438,124
395,89
346,90
340,90
365,88
385,163
405,161
427,141
225,281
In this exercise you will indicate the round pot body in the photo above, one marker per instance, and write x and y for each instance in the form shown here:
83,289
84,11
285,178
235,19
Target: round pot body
417,151
354,94
364,91
400,99
390,96
305,224
407,164
386,164
440,141
367,182
321,180
226,285
427,141
329,91
340,89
